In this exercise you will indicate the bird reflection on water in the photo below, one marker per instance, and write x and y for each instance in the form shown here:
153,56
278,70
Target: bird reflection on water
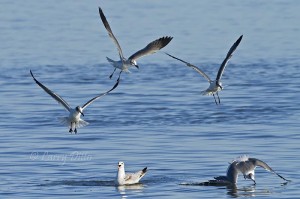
234,191
125,189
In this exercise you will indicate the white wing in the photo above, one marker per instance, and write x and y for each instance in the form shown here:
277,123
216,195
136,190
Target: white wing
52,94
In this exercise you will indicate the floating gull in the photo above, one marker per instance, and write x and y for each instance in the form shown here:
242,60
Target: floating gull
73,121
244,165
123,64
215,85
128,178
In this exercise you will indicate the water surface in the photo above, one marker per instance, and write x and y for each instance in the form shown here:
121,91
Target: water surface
157,116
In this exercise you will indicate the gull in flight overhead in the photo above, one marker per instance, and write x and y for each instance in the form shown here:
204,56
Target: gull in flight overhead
123,64
128,178
245,166
73,121
214,85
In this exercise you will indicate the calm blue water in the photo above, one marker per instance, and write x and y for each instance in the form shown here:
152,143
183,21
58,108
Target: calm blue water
157,116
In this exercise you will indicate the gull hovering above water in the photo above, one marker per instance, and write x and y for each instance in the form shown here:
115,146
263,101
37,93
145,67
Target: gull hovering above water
128,178
123,64
214,85
73,121
245,166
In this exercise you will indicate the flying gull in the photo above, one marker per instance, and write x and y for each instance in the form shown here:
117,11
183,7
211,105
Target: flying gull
73,121
123,64
214,85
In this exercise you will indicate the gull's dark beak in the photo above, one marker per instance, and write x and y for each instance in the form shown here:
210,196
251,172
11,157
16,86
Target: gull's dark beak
133,63
81,113
219,85
79,109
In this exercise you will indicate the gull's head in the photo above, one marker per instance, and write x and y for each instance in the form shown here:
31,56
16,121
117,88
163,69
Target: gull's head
80,110
219,85
133,63
121,165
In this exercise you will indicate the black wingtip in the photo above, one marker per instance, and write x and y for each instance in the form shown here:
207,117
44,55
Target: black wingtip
162,41
115,86
103,18
101,13
144,170
239,40
282,177
166,39
117,83
170,55
32,75
188,64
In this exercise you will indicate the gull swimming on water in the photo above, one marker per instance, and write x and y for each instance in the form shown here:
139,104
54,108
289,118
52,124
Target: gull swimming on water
128,178
73,121
123,64
214,85
245,166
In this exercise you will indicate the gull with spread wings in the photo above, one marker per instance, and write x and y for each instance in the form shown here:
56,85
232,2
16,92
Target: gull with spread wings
244,165
214,85
123,64
73,121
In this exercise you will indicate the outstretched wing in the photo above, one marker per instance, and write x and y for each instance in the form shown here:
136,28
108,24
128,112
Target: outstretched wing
192,66
110,33
101,95
151,47
135,177
257,162
52,94
228,56
264,165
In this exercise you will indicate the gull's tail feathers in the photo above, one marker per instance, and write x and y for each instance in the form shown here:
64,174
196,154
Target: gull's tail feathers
65,121
205,92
